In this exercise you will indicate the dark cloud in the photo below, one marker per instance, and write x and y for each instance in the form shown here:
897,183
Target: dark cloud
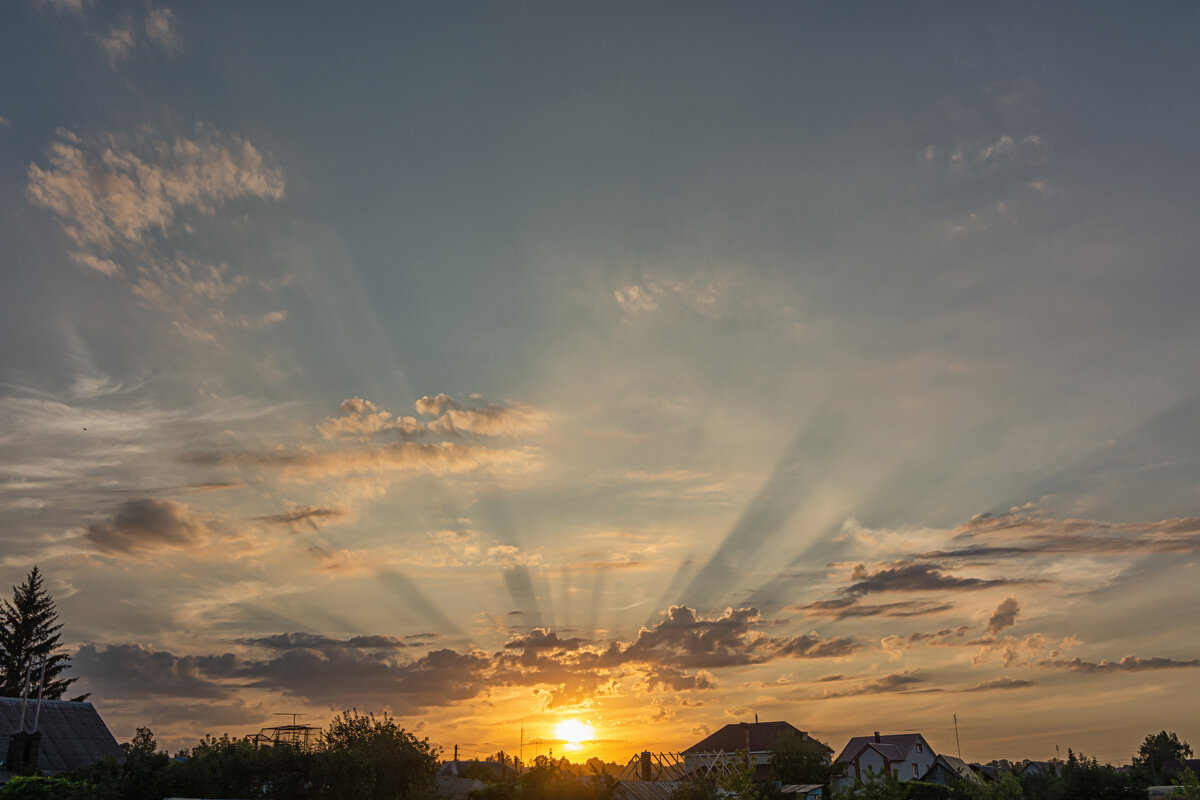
309,515
132,670
143,526
674,655
686,639
1025,532
888,684
907,576
1005,615
1000,683
849,607
1126,664
313,641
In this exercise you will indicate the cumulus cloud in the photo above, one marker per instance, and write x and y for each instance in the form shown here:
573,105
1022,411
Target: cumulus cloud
490,421
895,645
131,670
362,418
1005,615
144,526
432,406
678,654
114,192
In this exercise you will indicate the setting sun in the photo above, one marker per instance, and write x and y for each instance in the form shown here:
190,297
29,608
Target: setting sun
573,732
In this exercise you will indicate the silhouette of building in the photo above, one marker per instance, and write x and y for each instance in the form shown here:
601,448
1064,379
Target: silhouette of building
747,742
72,734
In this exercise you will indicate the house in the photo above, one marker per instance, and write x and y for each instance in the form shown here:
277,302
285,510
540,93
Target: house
905,756
749,743
72,734
948,770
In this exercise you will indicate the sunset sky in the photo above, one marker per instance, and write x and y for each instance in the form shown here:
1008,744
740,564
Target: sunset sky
647,365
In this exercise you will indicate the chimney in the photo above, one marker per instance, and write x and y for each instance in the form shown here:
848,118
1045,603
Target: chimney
647,774
877,736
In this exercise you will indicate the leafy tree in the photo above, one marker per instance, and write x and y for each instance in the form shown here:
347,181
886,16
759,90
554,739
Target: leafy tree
1157,748
798,760
1087,779
365,756
1187,785
29,629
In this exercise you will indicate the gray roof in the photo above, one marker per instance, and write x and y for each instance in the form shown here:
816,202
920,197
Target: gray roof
893,746
73,735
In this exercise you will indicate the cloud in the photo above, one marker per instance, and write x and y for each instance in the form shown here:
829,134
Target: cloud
309,515
432,406
362,418
144,526
906,576
1005,615
687,639
160,29
71,6
895,645
1000,683
887,684
131,670
313,641
117,192
437,459
490,421
1126,664
117,44
849,607
1023,532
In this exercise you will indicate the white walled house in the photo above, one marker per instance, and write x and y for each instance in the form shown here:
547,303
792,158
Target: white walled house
905,756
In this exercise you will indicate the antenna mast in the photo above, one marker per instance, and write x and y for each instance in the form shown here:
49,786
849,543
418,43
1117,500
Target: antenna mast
957,743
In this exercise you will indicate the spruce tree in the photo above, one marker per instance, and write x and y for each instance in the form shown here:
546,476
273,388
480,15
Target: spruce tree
28,634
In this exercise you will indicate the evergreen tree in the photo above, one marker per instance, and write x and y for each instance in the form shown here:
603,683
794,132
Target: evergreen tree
29,629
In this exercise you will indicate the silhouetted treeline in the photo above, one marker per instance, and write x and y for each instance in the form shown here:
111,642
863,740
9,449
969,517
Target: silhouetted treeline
356,756
548,779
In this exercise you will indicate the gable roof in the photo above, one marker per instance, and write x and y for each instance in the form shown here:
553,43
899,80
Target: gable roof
893,746
732,737
73,735
954,765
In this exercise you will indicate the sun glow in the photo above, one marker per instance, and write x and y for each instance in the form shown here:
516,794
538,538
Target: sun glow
574,733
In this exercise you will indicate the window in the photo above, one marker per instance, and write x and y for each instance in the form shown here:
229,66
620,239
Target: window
919,750
915,773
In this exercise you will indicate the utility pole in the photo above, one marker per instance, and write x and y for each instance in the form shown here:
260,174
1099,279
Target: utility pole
957,743
521,750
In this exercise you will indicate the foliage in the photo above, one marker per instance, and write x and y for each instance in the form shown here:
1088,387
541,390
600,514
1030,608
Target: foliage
362,756
1154,750
1187,785
798,760
1088,778
1006,787
29,629
876,786
357,756
32,788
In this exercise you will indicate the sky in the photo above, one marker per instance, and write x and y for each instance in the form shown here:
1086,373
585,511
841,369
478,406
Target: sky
647,366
